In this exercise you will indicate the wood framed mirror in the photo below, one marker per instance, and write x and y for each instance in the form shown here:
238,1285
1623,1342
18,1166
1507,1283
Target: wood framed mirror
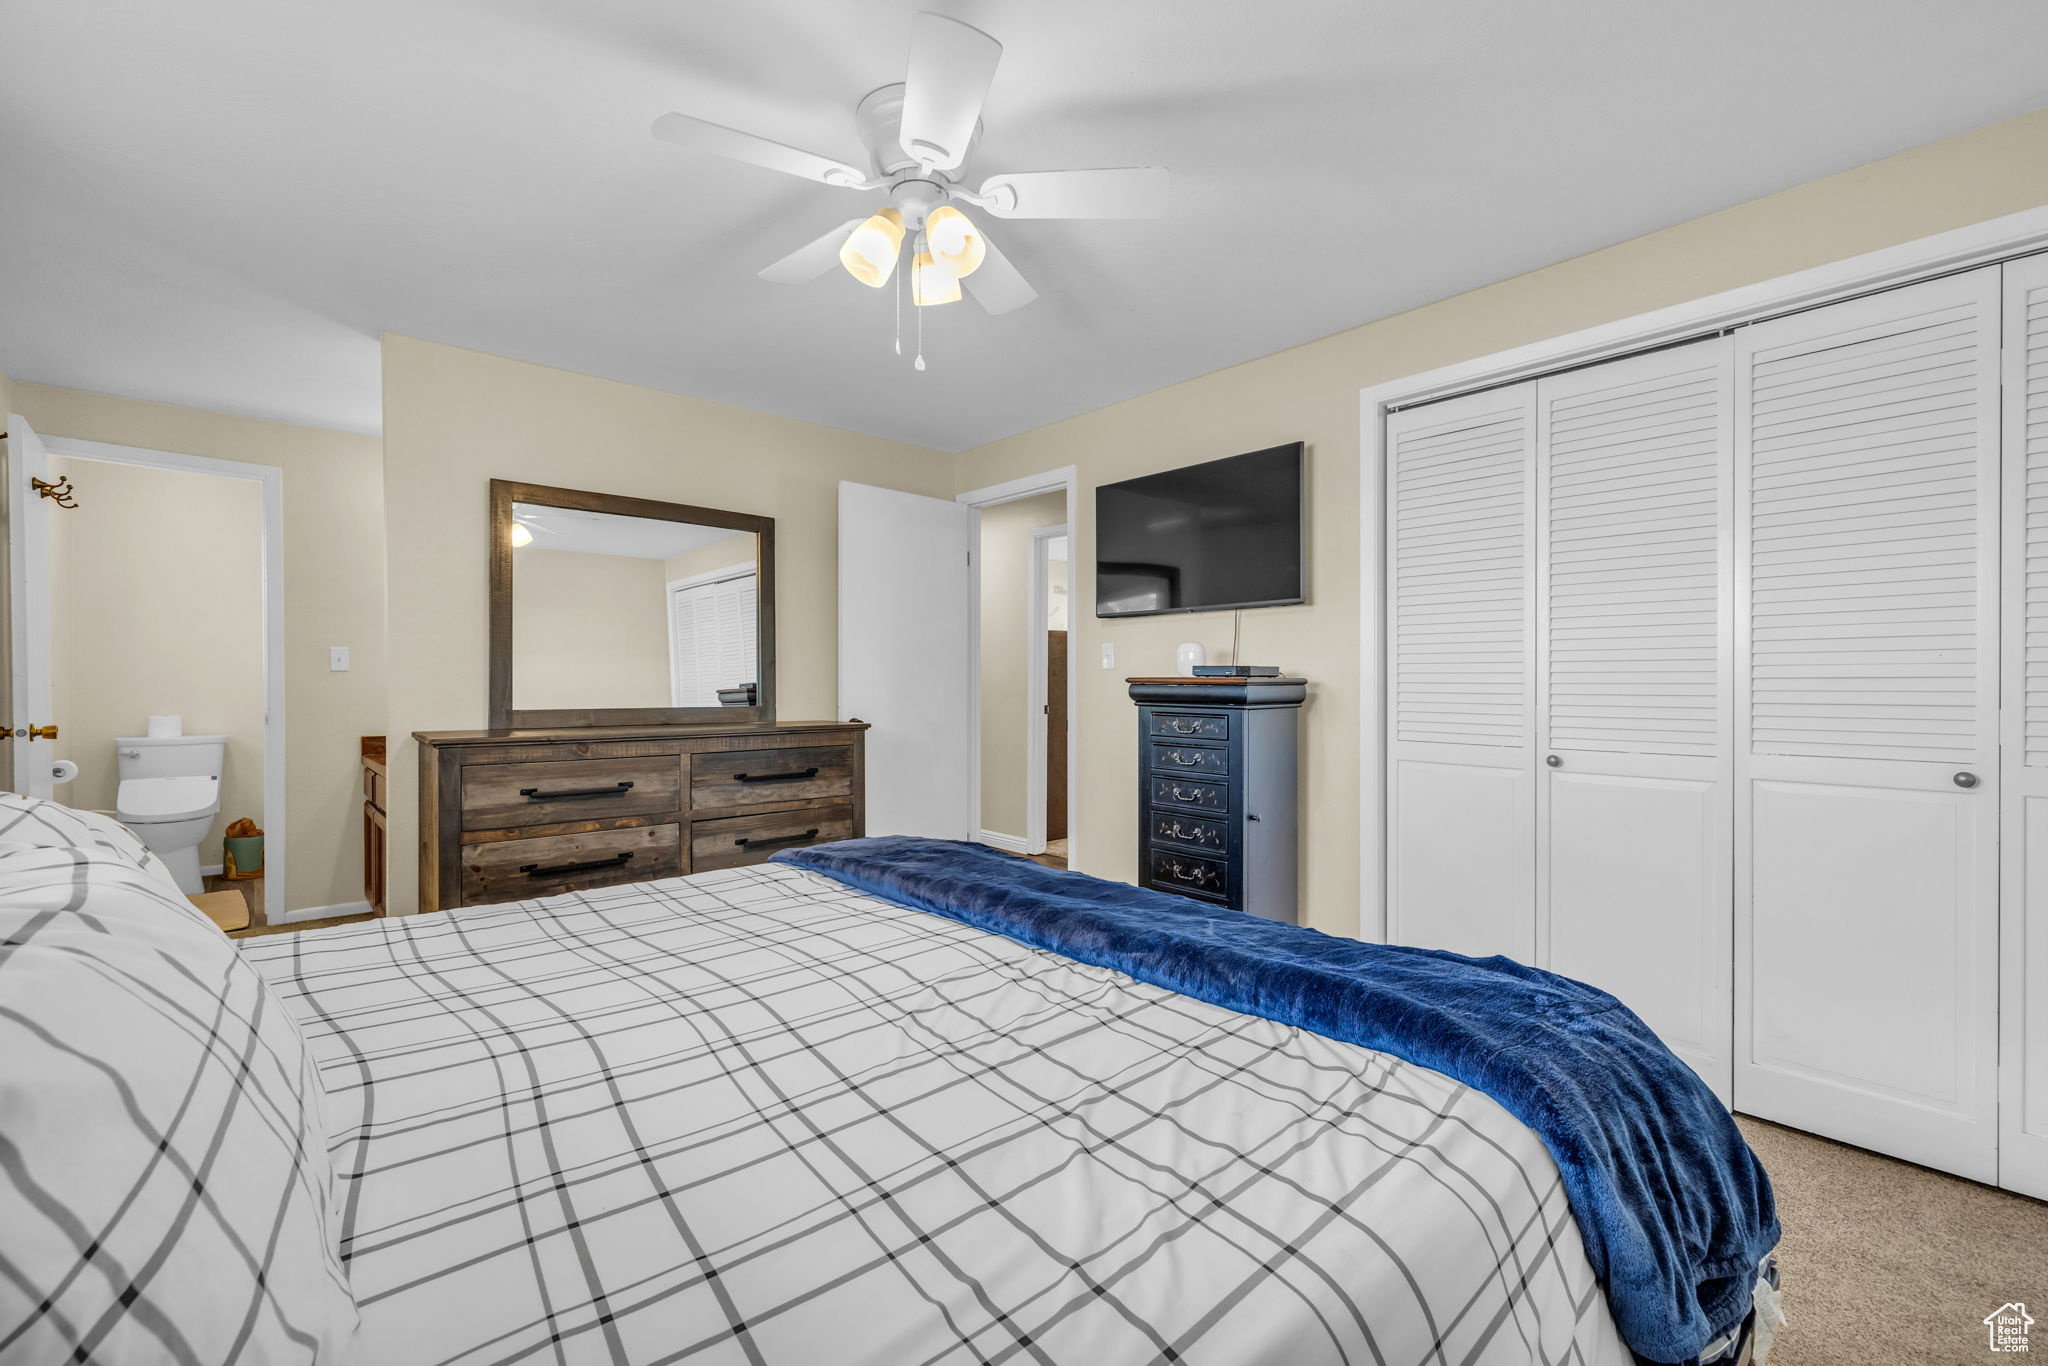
616,611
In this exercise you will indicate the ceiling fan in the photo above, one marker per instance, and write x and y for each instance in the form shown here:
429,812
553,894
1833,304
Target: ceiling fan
919,135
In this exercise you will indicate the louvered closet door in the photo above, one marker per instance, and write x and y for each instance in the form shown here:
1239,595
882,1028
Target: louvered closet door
2023,1019
1633,800
1460,801
1866,742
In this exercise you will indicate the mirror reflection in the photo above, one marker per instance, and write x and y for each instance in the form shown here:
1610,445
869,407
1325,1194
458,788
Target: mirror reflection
611,611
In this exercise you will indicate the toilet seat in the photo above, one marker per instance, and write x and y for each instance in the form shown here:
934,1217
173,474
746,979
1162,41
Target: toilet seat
152,801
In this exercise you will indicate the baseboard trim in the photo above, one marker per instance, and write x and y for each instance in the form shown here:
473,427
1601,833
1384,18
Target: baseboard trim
1009,844
212,869
320,912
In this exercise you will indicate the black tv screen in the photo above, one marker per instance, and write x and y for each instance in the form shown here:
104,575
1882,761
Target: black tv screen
1205,538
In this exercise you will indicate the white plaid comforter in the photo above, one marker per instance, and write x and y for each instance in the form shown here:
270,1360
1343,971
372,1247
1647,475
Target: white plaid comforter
754,1116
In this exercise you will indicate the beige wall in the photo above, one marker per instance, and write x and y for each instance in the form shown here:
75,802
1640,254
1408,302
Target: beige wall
1006,629
737,548
156,606
588,630
334,595
455,419
1311,393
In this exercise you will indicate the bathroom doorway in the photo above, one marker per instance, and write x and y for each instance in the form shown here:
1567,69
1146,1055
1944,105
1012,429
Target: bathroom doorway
146,608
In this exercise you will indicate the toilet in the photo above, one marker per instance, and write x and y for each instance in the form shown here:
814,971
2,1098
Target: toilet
169,794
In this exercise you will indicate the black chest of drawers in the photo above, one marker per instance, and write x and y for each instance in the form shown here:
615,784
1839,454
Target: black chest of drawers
1218,773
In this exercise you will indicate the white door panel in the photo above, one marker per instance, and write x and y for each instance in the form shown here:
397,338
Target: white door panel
28,591
1461,849
1866,728
1461,838
2023,908
1634,657
904,646
1638,903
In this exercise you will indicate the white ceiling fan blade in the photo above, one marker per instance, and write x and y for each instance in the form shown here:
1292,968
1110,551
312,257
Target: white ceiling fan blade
951,66
996,285
1119,192
700,136
813,259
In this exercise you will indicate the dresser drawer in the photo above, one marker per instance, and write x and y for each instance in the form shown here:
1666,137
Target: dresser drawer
542,865
1190,872
507,796
755,777
1189,792
1177,827
1181,725
1207,760
731,841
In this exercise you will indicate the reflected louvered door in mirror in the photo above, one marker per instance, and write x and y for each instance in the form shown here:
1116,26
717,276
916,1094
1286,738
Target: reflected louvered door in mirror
1633,808
2023,905
1461,817
1866,724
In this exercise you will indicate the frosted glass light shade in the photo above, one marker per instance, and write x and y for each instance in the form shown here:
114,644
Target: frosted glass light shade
869,255
955,242
931,282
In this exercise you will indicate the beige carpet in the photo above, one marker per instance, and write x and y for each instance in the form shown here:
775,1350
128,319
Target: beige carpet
1883,1262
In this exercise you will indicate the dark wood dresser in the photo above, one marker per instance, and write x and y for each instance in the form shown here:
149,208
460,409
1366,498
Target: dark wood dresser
1218,774
506,815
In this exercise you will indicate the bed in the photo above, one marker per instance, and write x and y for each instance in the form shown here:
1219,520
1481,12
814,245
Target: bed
761,1115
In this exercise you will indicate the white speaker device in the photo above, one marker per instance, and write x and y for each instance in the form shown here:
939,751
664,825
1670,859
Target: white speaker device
1190,655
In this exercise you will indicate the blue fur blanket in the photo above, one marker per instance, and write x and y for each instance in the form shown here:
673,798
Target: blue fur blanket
1674,1209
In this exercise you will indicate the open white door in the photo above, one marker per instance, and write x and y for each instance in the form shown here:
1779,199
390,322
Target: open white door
28,615
904,644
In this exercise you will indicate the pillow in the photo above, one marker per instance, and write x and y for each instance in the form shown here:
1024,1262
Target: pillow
32,823
165,1187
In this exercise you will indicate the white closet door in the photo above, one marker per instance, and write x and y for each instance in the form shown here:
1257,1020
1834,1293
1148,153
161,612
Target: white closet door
1634,649
1461,822
1866,738
2023,1020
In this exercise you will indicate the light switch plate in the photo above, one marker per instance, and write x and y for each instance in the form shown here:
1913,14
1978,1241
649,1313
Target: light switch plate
1109,656
337,659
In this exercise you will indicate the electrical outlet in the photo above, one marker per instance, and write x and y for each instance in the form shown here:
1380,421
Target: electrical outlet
1109,656
337,659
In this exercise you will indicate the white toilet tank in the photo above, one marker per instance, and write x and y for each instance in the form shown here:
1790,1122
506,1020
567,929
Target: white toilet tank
169,756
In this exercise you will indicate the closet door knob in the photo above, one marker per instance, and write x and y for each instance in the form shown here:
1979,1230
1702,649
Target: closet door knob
1553,761
1966,780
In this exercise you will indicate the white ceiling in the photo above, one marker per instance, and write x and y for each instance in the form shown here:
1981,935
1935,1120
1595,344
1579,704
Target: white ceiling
607,533
223,202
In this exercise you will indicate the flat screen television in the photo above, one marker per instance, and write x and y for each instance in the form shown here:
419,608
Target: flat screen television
1205,538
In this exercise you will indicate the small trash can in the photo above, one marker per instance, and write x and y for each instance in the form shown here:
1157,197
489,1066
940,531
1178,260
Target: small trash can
242,851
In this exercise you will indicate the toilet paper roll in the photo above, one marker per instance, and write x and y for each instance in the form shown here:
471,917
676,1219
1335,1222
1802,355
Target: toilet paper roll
63,771
162,726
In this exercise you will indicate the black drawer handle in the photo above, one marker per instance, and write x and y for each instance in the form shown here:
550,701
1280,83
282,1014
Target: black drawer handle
557,869
534,794
759,843
774,777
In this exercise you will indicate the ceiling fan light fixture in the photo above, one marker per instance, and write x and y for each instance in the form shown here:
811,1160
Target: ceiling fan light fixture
869,253
931,282
955,241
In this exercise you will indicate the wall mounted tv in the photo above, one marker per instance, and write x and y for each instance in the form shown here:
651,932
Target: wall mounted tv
1205,538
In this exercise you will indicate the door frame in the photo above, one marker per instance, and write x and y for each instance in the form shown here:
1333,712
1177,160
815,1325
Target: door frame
270,478
1061,480
1978,244
1037,696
